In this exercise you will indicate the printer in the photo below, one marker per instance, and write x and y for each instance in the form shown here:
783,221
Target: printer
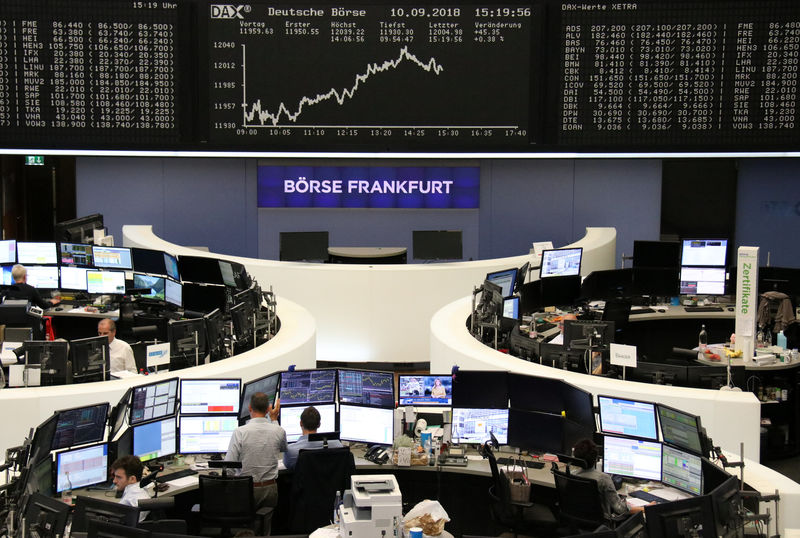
371,508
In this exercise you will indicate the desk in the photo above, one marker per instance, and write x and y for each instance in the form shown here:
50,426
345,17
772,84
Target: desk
73,323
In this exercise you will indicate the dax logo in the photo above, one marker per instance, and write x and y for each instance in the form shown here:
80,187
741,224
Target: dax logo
228,11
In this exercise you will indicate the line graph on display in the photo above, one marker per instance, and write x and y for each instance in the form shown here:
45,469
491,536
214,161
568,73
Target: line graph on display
256,115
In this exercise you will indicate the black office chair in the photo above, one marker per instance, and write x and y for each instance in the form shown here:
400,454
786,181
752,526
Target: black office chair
227,502
580,506
518,517
318,475
165,526
618,311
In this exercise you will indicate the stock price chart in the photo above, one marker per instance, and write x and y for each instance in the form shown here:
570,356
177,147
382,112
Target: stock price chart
386,76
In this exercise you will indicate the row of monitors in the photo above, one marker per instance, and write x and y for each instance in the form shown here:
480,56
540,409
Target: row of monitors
155,262
684,253
554,263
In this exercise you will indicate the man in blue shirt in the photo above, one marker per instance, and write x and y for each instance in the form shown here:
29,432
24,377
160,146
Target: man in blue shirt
309,422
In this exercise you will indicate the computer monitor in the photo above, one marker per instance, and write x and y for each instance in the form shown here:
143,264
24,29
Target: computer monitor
119,414
154,401
52,357
210,396
226,270
686,517
40,478
173,292
156,285
680,429
702,281
105,282
656,281
704,252
73,278
8,251
308,387
656,254
437,245
7,279
242,321
550,395
90,359
635,458
727,499
91,508
187,338
171,266
561,262
215,334
303,246
605,285
154,440
362,387
75,254
200,269
205,298
206,434
80,425
112,257
80,230
37,253
480,389
267,384
290,420
150,261
536,431
560,290
372,425
578,333
425,390
783,279
511,308
46,512
628,417
681,470
506,279
522,274
43,440
473,425
42,277
81,467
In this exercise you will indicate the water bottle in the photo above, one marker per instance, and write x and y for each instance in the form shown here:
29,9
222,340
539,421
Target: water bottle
781,340
336,504
702,338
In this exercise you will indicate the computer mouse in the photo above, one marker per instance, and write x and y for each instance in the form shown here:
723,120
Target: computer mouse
59,308
730,309
213,473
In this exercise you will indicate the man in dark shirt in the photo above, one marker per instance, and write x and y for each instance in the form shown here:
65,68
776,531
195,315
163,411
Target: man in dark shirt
22,290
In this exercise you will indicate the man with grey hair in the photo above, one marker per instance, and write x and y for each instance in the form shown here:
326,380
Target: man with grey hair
20,289
121,353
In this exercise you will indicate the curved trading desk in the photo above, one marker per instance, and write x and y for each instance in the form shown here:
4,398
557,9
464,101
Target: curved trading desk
24,408
377,313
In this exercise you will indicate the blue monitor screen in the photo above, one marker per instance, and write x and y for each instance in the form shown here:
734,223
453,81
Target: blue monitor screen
7,278
627,417
475,425
308,387
511,307
171,264
155,439
505,279
632,457
155,284
425,390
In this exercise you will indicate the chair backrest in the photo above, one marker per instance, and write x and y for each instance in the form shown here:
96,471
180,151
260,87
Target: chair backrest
227,500
578,500
318,475
618,311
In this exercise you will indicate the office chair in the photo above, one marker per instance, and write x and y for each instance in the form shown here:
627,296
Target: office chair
518,517
618,311
579,503
318,475
227,503
165,526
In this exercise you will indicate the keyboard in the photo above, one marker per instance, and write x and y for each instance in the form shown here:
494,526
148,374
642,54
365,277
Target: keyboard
645,496
703,308
528,463
174,476
641,311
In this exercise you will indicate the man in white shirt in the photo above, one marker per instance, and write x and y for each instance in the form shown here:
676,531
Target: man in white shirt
127,472
121,353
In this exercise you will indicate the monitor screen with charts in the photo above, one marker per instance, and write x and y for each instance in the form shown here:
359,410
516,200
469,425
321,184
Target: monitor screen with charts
680,429
267,384
210,434
704,252
290,420
505,279
155,439
105,282
43,277
627,417
561,262
81,467
308,387
702,281
426,390
37,253
80,425
75,254
154,401
475,425
112,257
375,389
201,396
73,278
632,457
372,425
682,470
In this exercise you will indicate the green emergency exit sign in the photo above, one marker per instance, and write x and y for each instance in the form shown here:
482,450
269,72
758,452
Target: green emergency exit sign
34,160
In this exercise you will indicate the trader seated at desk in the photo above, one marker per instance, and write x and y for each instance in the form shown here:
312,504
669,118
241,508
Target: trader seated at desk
127,472
309,422
121,353
20,289
613,504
